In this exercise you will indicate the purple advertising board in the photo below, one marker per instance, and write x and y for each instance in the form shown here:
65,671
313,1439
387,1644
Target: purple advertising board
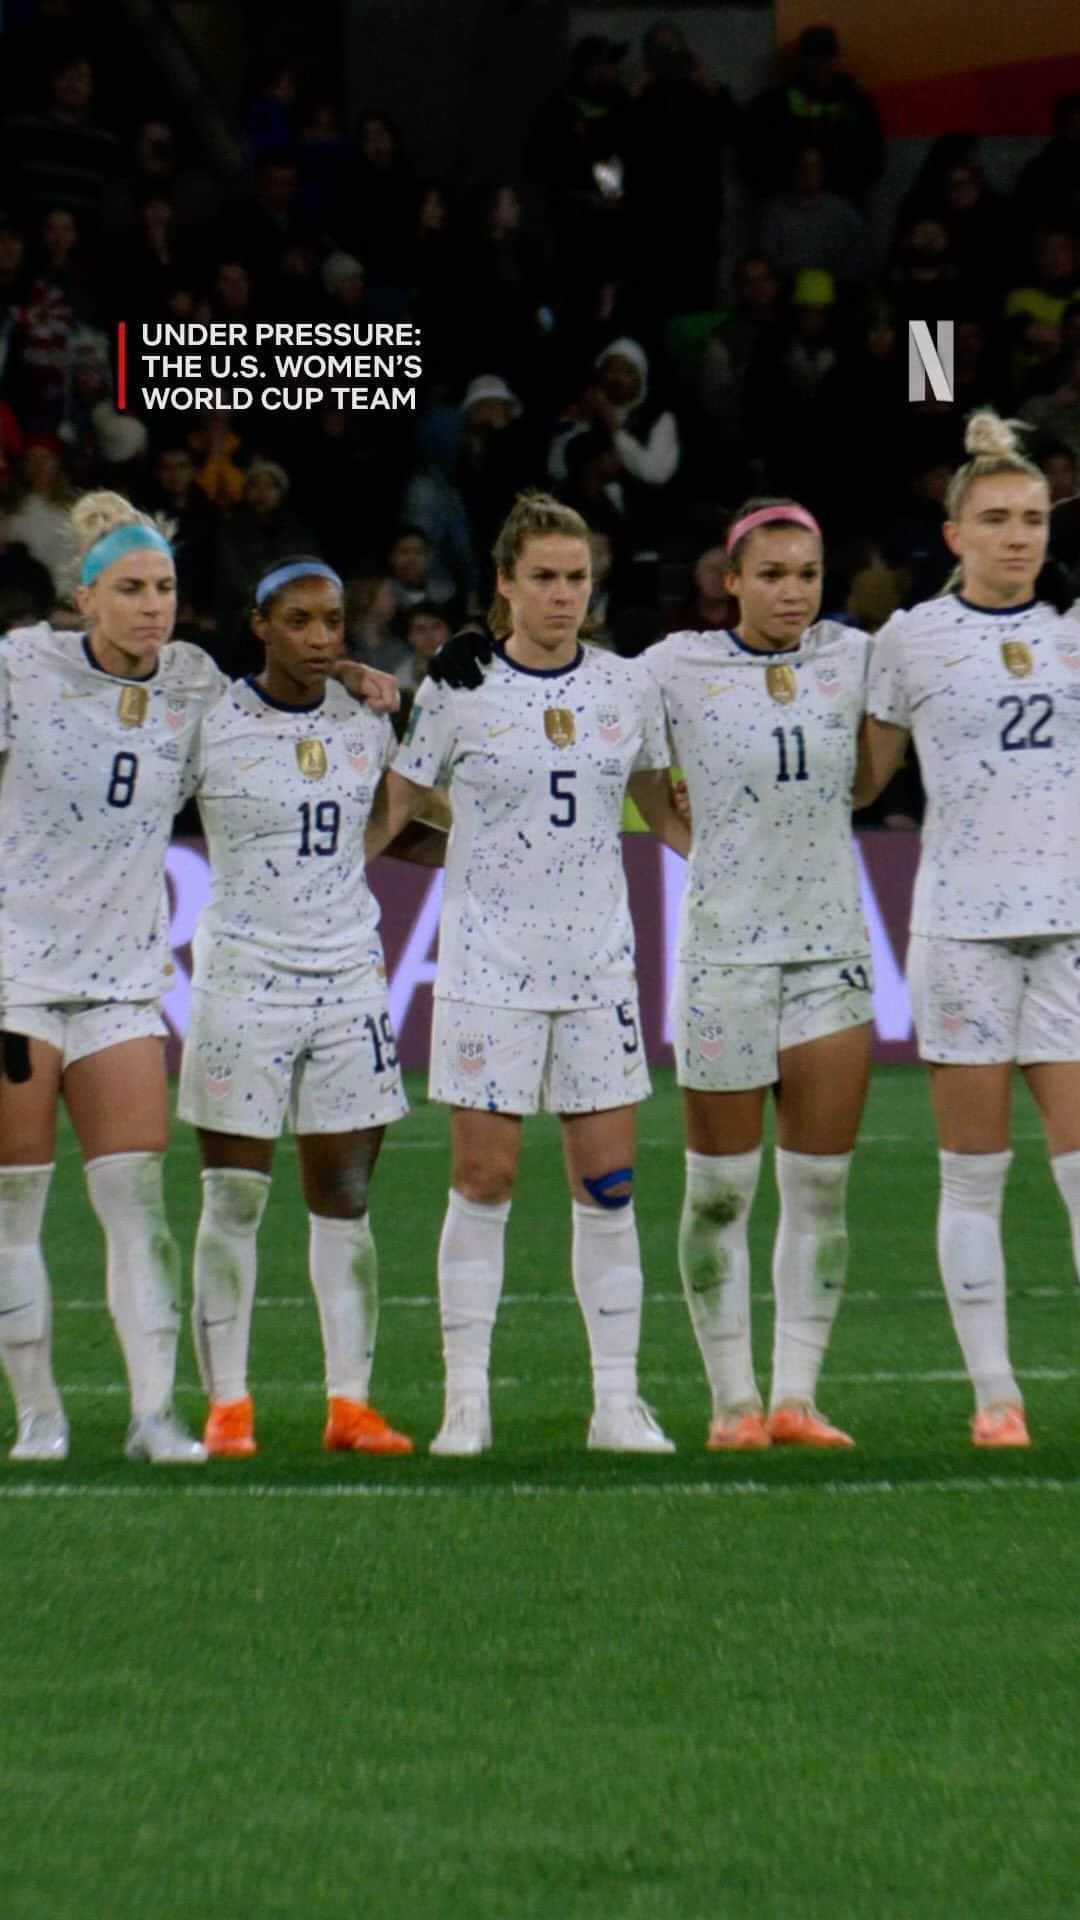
410,897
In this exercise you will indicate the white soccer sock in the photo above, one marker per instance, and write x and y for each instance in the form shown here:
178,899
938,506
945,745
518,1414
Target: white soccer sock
142,1272
809,1264
470,1282
25,1306
606,1262
345,1281
972,1263
1066,1171
233,1201
714,1261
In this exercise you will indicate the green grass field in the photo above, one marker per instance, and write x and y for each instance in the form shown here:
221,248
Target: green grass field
757,1687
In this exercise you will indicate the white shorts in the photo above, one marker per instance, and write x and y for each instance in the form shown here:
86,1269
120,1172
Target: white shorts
249,1067
730,1024
510,1060
984,1002
78,1028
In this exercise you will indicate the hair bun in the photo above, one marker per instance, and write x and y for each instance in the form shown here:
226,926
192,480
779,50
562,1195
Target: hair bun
988,435
98,513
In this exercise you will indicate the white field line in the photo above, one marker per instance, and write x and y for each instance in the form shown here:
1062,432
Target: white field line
856,1296
516,1490
511,1382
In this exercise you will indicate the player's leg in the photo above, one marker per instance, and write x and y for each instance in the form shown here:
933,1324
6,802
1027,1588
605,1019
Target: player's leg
595,1076
486,1065
347,1083
725,1023
1056,1087
820,1096
27,1142
336,1170
966,996
1049,1052
116,1097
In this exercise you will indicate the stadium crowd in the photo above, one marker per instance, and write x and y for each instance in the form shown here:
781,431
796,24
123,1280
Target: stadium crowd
578,332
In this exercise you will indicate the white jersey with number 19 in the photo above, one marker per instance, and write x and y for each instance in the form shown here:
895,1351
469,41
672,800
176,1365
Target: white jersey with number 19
535,912
92,770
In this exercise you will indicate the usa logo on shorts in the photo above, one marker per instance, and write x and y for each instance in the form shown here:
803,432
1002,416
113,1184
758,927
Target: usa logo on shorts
952,1016
471,1054
175,712
356,753
217,1084
710,1039
829,683
608,725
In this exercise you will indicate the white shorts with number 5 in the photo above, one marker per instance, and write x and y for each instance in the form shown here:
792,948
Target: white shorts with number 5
250,1067
730,1024
506,1060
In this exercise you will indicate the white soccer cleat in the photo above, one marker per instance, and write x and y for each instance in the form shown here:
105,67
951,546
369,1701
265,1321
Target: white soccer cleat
627,1426
41,1436
466,1427
164,1441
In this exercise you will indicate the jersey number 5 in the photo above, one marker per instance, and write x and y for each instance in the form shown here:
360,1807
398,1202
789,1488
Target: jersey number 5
562,790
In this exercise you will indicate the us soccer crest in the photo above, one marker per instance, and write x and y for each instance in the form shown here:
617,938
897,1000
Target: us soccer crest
609,725
1018,657
311,759
132,705
781,684
356,752
559,726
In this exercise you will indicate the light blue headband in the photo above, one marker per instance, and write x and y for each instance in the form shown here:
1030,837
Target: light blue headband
120,540
296,570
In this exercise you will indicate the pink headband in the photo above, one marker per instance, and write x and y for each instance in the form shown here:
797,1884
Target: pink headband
763,515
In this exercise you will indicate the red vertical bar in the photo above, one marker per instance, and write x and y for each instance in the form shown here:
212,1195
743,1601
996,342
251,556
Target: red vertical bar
121,365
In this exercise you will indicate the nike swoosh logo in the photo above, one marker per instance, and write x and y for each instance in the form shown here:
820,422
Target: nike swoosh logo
78,693
494,732
631,1069
21,1308
956,659
616,1313
243,765
722,686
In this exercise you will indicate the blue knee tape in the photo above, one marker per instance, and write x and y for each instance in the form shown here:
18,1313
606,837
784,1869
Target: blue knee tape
600,1188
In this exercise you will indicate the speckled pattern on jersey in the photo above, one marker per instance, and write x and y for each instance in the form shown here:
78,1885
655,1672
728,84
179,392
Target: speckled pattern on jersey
993,702
534,908
93,770
285,794
772,875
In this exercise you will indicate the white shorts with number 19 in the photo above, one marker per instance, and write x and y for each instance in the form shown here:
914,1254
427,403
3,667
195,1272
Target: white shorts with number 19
249,1067
511,1060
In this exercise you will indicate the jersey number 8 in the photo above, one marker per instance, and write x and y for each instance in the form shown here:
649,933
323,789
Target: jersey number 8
125,772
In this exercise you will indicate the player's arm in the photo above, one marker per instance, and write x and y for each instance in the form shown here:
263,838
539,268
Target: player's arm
652,794
882,747
407,821
374,689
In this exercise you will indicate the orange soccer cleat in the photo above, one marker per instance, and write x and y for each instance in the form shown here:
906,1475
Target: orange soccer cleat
738,1430
802,1426
230,1428
1000,1427
353,1427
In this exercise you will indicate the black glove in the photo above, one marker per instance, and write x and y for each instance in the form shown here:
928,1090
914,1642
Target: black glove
458,662
1054,585
14,1057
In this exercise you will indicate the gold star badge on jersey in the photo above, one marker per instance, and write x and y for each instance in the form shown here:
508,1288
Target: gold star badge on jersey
132,705
1018,657
559,726
311,759
781,684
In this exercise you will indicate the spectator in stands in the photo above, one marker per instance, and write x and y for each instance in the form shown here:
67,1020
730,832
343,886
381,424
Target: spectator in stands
807,226
433,501
591,485
11,447
708,607
219,456
102,446
260,229
1049,186
912,537
1036,307
425,627
868,383
501,269
787,420
492,461
349,469
822,104
1061,465
413,575
370,611
322,160
642,430
14,277
861,587
151,263
980,367
154,172
232,294
268,122
59,156
260,530
678,127
176,494
374,213
601,611
1057,414
756,317
40,520
923,281
26,589
575,159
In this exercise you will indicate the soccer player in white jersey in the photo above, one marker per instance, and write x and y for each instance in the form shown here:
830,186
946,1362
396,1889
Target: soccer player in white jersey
95,729
535,997
986,680
289,1013
772,985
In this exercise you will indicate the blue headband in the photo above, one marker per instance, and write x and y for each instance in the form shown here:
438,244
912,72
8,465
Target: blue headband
297,570
118,541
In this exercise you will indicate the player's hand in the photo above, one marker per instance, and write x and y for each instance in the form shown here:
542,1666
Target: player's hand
681,801
379,691
460,661
14,1058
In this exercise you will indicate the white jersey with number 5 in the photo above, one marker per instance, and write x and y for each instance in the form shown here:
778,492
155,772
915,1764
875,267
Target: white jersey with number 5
93,769
285,794
535,912
767,744
992,699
